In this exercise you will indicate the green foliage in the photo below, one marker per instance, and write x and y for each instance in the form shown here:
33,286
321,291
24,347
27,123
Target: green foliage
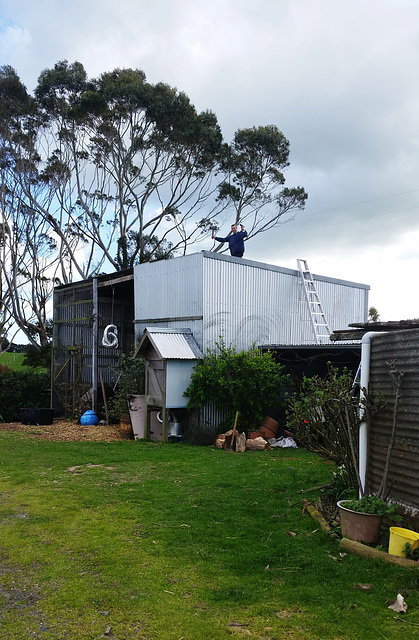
21,389
245,381
35,329
341,487
325,419
371,504
128,143
13,360
38,357
373,315
134,248
14,99
129,378
411,554
315,415
253,168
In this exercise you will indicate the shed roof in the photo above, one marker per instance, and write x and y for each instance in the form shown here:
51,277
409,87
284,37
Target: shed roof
361,328
170,344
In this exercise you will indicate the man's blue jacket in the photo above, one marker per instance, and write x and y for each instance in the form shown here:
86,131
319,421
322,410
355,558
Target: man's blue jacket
235,242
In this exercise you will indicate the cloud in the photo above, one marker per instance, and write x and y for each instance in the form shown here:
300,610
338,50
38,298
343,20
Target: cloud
338,78
14,40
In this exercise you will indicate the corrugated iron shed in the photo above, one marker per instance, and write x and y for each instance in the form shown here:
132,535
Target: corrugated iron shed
243,301
203,297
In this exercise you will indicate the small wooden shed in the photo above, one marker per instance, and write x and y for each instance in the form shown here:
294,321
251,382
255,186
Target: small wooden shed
170,356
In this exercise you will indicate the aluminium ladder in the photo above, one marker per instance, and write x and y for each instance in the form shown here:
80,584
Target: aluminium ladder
317,315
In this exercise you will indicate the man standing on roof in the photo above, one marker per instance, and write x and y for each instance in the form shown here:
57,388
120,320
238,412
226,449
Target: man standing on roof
235,240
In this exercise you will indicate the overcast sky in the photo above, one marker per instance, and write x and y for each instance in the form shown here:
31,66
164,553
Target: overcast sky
338,77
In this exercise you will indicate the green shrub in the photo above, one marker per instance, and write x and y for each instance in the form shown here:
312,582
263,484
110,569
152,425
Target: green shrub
325,419
129,379
38,357
245,381
371,504
20,389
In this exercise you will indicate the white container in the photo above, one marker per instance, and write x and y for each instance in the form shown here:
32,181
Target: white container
137,409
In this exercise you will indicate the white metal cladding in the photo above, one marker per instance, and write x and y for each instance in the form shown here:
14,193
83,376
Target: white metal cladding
248,302
169,289
172,345
343,301
242,301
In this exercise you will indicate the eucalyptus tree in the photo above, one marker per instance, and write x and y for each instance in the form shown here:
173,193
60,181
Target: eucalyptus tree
6,318
252,187
134,162
114,170
133,171
29,264
33,256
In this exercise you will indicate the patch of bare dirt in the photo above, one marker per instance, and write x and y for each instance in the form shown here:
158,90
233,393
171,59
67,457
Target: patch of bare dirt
69,430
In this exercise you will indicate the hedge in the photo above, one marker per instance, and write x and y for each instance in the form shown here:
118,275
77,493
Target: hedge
21,389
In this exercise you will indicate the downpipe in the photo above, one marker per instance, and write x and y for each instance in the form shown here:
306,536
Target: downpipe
364,427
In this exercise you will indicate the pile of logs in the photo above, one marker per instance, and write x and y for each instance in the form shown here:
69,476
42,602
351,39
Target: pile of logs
234,441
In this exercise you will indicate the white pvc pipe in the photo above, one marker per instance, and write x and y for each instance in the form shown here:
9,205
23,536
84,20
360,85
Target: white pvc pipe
363,427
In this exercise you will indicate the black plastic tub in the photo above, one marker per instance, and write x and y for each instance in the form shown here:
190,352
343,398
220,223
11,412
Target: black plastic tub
37,416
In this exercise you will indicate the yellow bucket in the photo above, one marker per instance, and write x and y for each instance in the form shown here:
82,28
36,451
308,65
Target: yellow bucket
399,537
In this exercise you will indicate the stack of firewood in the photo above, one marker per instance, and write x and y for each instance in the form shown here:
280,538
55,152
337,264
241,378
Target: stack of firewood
234,441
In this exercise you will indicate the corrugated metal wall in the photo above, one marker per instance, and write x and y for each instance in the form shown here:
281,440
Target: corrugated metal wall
168,293
241,300
400,348
73,335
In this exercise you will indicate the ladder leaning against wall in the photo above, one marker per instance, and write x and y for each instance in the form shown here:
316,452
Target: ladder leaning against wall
317,316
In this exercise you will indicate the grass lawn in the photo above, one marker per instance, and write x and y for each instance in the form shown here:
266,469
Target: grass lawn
13,360
134,540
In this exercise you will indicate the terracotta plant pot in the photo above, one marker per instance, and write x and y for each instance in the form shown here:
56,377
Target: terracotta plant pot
267,433
255,434
362,527
270,423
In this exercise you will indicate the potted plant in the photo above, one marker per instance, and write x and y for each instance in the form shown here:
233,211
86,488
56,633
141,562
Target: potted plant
361,519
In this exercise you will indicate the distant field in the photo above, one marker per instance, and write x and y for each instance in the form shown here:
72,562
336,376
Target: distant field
12,360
